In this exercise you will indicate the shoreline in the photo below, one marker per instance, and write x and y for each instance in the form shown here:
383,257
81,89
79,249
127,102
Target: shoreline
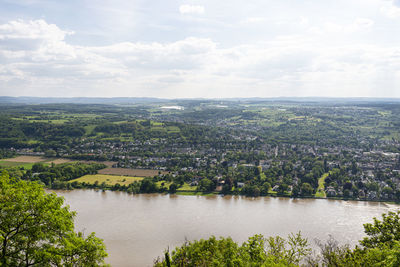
199,193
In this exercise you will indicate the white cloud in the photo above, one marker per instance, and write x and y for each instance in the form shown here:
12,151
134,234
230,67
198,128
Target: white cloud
391,9
191,9
312,64
363,23
34,29
253,20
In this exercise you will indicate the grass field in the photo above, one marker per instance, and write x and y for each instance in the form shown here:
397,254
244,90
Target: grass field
89,129
187,187
271,192
8,164
166,184
108,179
321,186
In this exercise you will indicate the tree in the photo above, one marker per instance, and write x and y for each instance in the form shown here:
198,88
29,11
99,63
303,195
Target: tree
50,153
206,185
385,232
148,186
306,189
226,189
172,188
36,228
282,188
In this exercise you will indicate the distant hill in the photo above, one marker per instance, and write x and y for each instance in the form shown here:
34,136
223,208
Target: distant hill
138,100
78,100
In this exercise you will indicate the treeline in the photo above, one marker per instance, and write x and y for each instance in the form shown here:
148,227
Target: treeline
146,186
381,247
57,176
6,153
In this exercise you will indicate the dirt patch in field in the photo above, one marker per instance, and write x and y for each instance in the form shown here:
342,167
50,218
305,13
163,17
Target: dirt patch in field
26,159
130,172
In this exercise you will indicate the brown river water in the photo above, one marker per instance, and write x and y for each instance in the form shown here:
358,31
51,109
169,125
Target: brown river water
138,228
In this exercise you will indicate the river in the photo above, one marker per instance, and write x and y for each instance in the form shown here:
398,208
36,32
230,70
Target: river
138,228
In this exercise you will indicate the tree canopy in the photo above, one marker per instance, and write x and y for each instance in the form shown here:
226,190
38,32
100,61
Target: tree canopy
36,228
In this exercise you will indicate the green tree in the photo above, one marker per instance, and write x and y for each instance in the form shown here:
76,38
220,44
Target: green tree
172,188
282,188
36,228
306,189
206,185
386,231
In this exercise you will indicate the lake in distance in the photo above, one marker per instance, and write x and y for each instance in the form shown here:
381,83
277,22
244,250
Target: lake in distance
138,228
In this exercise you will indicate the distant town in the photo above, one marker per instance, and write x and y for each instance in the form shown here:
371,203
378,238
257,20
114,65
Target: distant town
253,147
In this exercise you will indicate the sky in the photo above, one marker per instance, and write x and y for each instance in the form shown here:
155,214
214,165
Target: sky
200,48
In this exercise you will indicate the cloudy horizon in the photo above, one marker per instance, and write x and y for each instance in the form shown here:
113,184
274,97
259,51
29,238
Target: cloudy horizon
200,48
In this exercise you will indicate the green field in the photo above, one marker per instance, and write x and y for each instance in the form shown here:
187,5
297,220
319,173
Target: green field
186,187
271,192
8,164
166,184
108,179
321,186
89,128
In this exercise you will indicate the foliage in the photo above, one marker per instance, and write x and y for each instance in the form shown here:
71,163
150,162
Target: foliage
36,228
306,189
206,185
257,251
5,153
52,175
385,232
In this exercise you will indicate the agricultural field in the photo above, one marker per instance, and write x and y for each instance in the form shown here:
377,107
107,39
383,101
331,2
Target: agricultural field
27,162
34,159
26,159
59,161
130,172
108,179
9,164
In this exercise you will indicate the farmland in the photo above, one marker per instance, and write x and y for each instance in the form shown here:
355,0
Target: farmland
26,159
107,179
130,172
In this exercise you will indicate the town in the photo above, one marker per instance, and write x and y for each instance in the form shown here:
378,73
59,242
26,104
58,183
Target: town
254,148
